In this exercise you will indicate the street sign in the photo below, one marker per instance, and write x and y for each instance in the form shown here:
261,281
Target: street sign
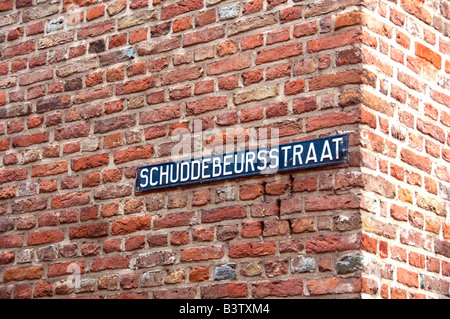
265,160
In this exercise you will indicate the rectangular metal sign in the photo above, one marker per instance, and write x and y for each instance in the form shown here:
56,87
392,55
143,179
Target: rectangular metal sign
266,160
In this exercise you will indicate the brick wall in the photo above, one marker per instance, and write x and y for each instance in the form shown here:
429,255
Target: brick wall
90,90
405,149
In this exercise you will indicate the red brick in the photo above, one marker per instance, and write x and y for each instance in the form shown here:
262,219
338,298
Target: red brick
332,120
407,277
69,200
304,104
27,140
225,213
421,162
182,24
17,50
6,5
399,212
45,237
181,75
206,105
162,114
429,55
251,229
205,18
95,13
198,274
89,231
324,286
279,288
113,262
6,258
12,175
276,228
251,249
251,191
273,3
95,30
37,76
301,225
277,187
135,86
11,241
237,63
130,225
203,36
294,87
114,191
89,162
252,42
252,6
417,8
132,154
29,205
346,38
230,290
290,14
179,8
54,168
115,74
305,29
23,273
279,53
202,253
174,220
335,80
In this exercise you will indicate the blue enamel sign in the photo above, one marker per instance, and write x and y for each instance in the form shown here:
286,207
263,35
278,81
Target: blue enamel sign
266,160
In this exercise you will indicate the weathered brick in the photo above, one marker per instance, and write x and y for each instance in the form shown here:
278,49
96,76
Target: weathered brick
27,140
202,253
332,120
89,231
257,94
45,237
91,161
251,249
203,36
18,50
69,200
54,168
334,285
174,220
23,273
220,214
109,192
130,225
278,288
279,53
230,290
37,76
135,86
248,24
233,64
335,80
179,8
113,262
344,201
156,47
182,75
205,105
53,103
114,123
322,244
11,241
